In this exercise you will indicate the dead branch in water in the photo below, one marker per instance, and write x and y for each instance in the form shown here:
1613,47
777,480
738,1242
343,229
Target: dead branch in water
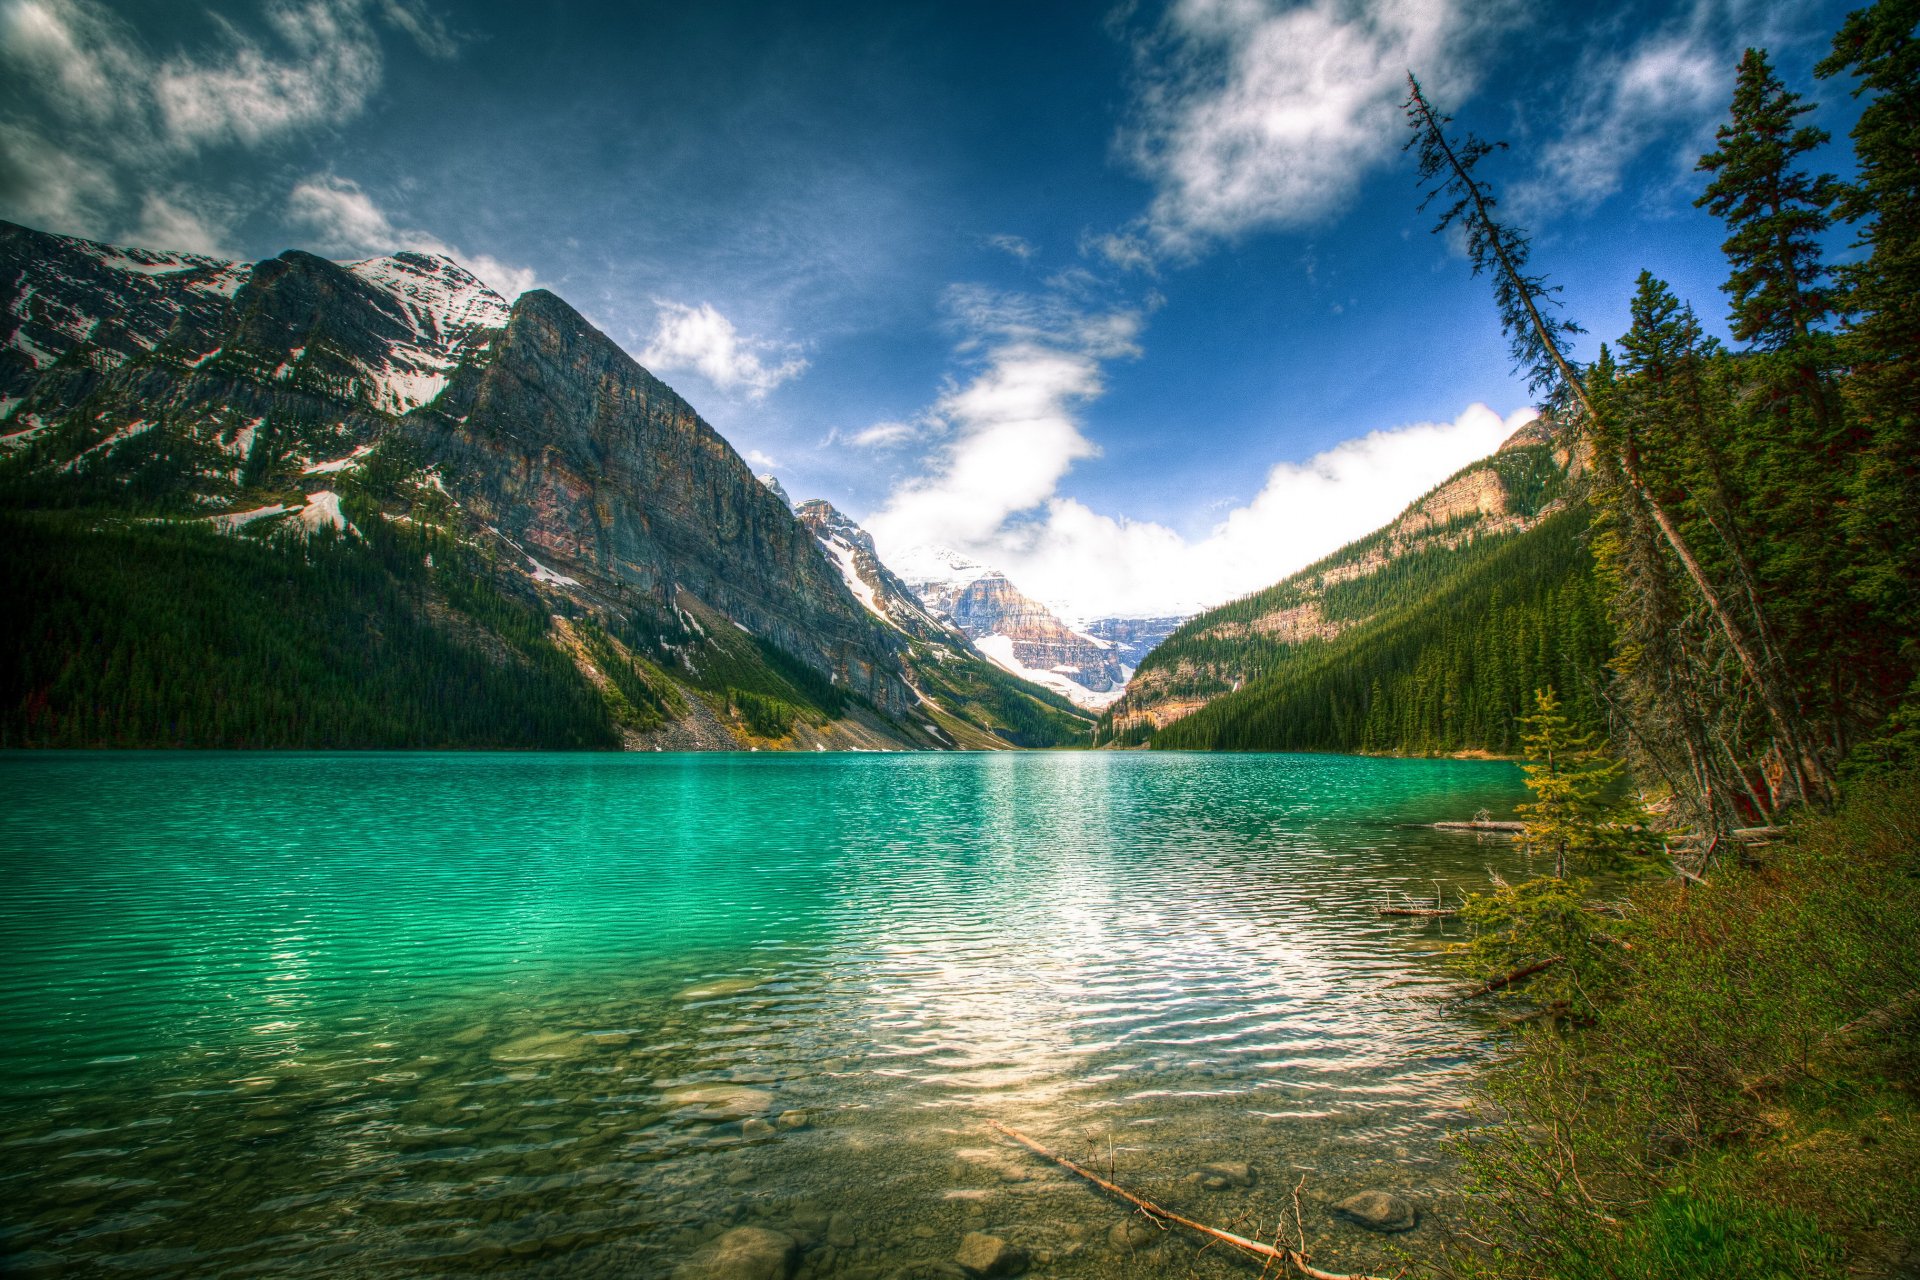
1524,971
1292,1257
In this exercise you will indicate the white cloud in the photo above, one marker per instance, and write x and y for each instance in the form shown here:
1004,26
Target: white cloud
701,340
1014,246
1088,565
1255,113
760,458
178,221
881,435
1669,89
248,94
112,126
344,220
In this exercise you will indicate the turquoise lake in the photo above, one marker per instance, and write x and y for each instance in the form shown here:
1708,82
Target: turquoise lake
435,1014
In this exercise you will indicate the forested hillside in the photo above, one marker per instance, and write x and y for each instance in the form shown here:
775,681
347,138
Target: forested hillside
1446,668
1426,636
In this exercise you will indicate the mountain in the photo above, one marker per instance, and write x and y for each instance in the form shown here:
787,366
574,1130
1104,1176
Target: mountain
942,662
489,496
1425,636
1017,632
1133,638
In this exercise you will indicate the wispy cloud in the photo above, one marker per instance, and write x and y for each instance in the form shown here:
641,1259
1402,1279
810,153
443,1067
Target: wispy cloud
344,220
1668,89
1260,113
1012,429
881,435
103,128
699,339
1014,246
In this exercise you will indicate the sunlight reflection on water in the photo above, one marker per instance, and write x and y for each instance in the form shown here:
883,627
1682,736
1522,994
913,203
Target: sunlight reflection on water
278,1014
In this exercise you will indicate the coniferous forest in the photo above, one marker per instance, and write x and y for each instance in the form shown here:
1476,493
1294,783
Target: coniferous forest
1717,1075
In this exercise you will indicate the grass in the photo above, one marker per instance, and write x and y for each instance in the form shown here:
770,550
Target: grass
1742,1103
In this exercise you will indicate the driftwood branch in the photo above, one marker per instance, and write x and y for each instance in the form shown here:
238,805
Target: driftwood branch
1524,971
1292,1257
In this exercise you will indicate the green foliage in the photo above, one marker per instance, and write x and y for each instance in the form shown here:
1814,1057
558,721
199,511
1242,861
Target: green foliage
1880,344
1740,1101
1544,920
1022,714
640,695
1775,213
1573,816
141,634
1452,645
765,717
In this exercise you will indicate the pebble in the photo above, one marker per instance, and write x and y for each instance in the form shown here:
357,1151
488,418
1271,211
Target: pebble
543,1046
1134,1233
720,1102
987,1255
744,1253
754,1127
1223,1174
1378,1211
794,1120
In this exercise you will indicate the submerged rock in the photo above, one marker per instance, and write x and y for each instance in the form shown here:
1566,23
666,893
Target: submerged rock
1223,1174
986,1255
721,1102
723,987
744,1253
1378,1211
543,1046
1135,1233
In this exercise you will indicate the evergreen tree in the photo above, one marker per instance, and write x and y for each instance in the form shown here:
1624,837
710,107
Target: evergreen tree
1447,168
1775,213
1571,815
1881,343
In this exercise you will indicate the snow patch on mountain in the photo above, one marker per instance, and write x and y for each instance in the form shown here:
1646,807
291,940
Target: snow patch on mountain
446,306
1003,652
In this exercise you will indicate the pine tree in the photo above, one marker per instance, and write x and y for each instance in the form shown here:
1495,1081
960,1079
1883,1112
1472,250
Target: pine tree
1447,168
1881,343
1775,213
1570,815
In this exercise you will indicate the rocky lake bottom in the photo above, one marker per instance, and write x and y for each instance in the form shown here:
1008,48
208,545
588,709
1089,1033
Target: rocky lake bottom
723,1017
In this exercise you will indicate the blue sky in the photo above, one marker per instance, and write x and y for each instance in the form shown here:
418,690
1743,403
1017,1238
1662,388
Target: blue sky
1133,301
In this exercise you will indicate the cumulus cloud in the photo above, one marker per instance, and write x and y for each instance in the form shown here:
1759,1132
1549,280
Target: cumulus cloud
699,339
1088,564
102,127
344,220
1265,113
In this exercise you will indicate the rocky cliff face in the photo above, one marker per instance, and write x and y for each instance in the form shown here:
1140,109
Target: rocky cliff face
566,446
1133,638
1219,651
850,549
1017,632
248,394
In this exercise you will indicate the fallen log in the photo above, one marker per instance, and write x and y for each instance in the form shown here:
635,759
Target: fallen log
1385,910
1524,971
1479,825
1292,1257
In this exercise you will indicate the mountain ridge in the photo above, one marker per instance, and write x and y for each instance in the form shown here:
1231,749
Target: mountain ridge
298,396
